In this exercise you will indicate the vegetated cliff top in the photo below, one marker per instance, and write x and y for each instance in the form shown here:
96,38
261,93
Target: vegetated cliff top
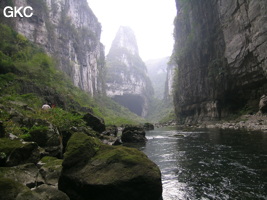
28,76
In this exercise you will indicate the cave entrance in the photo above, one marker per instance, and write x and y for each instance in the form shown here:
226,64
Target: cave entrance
133,102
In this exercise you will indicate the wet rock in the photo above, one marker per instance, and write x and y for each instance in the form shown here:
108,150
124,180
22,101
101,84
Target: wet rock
27,174
50,169
133,134
92,170
18,152
94,122
148,126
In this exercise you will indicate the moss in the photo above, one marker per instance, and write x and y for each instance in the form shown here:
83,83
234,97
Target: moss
27,75
80,146
10,189
7,145
52,163
122,154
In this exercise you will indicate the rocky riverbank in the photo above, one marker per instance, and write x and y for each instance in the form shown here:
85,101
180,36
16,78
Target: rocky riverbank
245,122
257,122
48,162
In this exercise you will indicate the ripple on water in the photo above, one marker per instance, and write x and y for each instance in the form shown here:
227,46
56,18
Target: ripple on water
205,165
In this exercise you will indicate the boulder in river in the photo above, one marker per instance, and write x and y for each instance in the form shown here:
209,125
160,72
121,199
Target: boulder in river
92,170
133,134
148,126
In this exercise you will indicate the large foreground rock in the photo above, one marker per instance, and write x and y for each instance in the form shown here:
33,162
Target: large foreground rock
95,171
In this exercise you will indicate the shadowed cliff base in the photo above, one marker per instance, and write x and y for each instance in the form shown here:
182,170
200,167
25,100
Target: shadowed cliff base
133,102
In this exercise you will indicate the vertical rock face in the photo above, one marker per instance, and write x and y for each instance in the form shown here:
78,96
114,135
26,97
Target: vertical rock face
221,53
127,80
69,31
157,72
168,93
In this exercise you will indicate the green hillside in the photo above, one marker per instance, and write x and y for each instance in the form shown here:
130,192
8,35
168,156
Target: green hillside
29,78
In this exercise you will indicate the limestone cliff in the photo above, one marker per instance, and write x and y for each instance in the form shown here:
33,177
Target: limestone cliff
68,30
127,80
171,73
221,53
157,72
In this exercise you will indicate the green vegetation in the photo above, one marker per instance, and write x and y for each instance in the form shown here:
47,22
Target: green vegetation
137,67
29,78
52,163
161,111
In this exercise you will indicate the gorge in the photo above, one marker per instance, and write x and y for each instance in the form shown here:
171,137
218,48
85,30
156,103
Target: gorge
127,80
81,146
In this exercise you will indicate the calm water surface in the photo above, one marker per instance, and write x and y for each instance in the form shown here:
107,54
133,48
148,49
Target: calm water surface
209,164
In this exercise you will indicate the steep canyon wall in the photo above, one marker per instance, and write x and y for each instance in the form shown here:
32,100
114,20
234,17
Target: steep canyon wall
69,31
127,79
220,52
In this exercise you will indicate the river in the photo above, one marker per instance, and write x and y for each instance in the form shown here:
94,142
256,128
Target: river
209,164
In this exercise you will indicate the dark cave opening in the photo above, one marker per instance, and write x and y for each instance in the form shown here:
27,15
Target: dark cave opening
133,102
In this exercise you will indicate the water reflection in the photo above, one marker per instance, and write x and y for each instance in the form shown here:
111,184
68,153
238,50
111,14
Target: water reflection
210,164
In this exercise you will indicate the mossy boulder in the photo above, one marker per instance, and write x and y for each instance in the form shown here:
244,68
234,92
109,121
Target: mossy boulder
50,169
27,174
46,135
148,126
18,152
80,147
47,192
100,172
12,190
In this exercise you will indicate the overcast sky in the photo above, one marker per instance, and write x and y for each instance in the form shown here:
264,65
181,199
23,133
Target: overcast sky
151,20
